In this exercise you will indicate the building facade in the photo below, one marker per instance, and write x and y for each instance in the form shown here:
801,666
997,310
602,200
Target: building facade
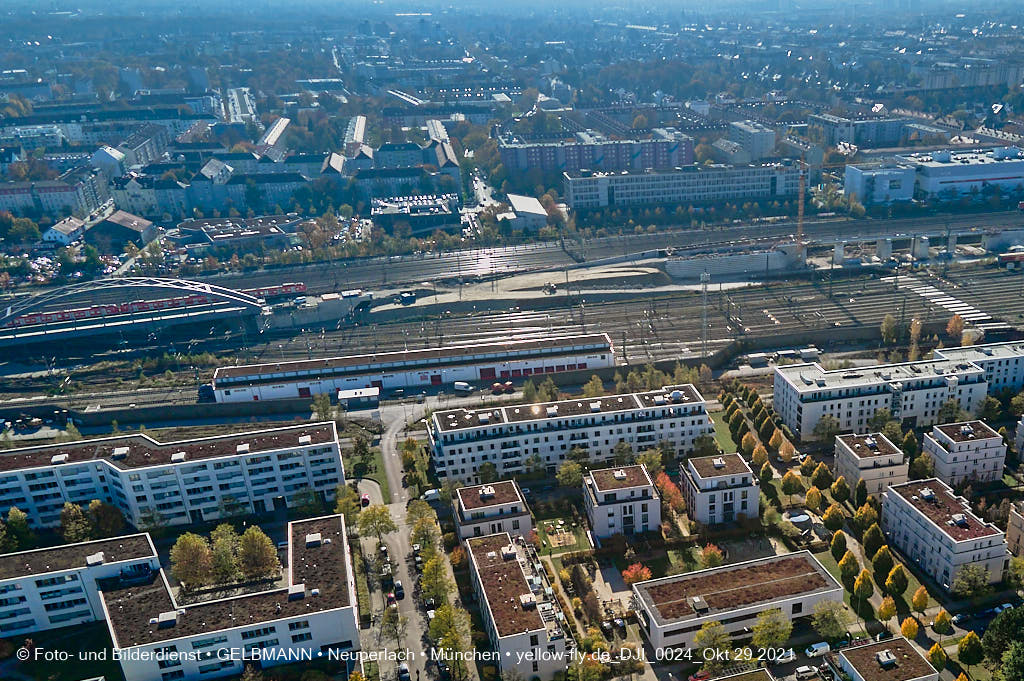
966,451
493,508
936,529
872,458
756,138
879,183
666,148
1015,529
621,500
175,483
949,174
671,610
518,438
720,489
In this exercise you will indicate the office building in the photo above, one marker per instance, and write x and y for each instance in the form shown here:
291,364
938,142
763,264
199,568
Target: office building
671,610
894,660
175,483
621,500
872,458
881,183
756,138
962,452
936,529
832,130
521,616
948,174
493,508
720,489
522,437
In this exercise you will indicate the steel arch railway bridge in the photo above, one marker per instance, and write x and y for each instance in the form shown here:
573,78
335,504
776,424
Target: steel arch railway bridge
175,288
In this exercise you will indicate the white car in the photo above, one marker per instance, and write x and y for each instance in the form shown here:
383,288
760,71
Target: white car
785,657
806,673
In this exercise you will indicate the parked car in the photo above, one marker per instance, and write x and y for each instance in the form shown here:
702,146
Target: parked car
391,598
786,657
1003,607
702,675
403,672
961,617
399,589
806,672
817,650
364,500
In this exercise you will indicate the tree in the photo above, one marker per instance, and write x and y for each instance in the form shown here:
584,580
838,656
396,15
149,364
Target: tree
838,545
257,557
487,472
594,387
391,624
434,582
225,542
772,629
74,525
883,563
106,519
922,467
1011,666
346,502
637,572
872,540
787,451
991,409
791,484
848,566
834,518
830,619
747,444
909,628
711,556
704,445
570,474
865,517
807,467
822,476
860,495
1017,404
759,456
18,529
826,428
971,581
887,610
890,329
897,582
919,601
1004,628
943,624
776,440
910,446
937,656
950,411
376,521
766,474
712,637
969,650
840,490
321,407
191,560
955,327
863,588
650,459
813,499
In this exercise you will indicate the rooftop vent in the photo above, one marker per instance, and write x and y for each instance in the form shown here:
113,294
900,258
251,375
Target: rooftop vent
484,417
885,658
959,519
553,410
94,559
314,592
871,442
242,448
927,494
619,474
59,458
967,430
527,601
178,457
296,591
487,491
119,453
313,539
305,439
719,462
167,619
508,552
595,406
677,396
699,604
659,399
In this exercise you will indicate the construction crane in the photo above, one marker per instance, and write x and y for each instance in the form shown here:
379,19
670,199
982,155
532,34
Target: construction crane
801,192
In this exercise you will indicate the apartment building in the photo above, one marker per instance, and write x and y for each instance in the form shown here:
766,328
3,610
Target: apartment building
757,139
912,391
864,132
56,587
1015,529
588,189
720,489
521,437
671,610
1003,363
872,458
524,622
965,451
666,148
894,660
621,500
493,508
936,529
175,483
313,615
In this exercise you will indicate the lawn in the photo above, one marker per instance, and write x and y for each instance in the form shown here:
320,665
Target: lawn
80,641
722,435
672,562
371,468
580,532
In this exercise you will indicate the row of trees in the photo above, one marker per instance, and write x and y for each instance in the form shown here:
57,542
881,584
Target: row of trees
225,558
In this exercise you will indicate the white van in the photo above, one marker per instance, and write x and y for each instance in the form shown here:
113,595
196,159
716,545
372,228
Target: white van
817,649
806,673
462,387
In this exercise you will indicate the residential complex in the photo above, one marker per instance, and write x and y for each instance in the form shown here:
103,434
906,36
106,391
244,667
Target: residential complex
621,501
936,529
912,391
671,610
587,189
518,438
1003,363
666,148
880,131
966,451
872,458
894,660
757,139
1015,529
524,622
490,509
720,489
175,483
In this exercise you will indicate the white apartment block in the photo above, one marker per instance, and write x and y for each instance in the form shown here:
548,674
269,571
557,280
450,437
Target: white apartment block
912,391
516,438
1003,363
491,509
621,501
314,614
671,610
175,483
936,529
523,620
57,587
1015,529
965,451
894,660
872,458
756,138
1018,436
720,489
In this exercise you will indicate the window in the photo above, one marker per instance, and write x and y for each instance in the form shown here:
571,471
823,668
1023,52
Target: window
304,636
